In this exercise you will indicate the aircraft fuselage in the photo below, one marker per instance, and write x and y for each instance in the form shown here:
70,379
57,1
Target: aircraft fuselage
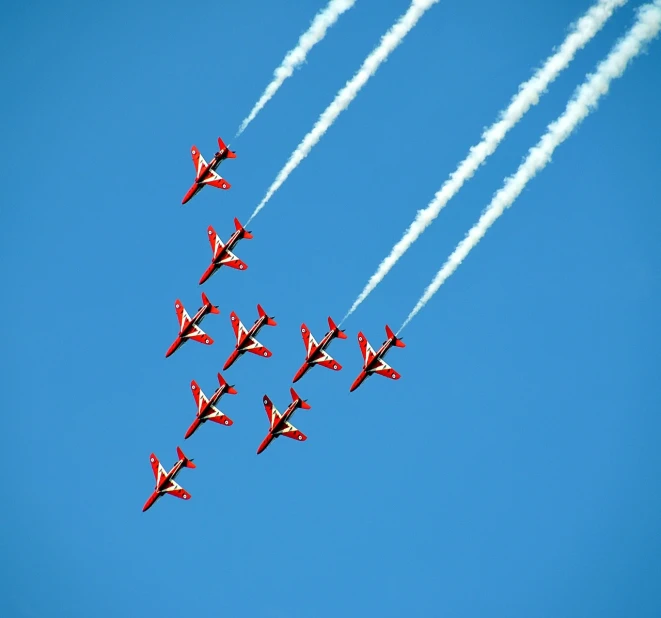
280,424
182,338
198,185
254,329
383,350
159,487
315,355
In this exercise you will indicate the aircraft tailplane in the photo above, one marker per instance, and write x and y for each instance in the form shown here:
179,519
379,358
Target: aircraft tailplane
398,342
246,234
187,462
230,389
207,302
295,397
221,145
262,314
340,333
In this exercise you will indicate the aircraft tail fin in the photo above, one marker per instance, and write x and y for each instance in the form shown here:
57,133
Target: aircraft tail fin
187,462
207,302
295,397
230,387
398,342
239,227
333,326
262,314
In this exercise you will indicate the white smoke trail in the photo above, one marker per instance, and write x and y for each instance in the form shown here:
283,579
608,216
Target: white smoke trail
529,92
296,56
388,43
582,103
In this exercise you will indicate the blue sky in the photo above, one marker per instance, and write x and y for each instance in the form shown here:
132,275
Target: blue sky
512,471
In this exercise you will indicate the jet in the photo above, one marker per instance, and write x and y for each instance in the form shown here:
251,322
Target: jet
373,361
245,339
189,328
222,254
206,407
316,352
205,173
280,425
165,483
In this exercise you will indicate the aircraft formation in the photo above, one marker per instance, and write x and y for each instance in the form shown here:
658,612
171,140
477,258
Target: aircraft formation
189,329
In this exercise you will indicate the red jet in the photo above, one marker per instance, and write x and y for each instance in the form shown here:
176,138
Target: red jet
373,361
205,173
206,407
316,352
165,483
189,329
245,339
280,425
222,254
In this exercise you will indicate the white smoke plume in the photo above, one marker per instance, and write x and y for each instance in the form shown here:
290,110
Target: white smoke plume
584,101
348,93
323,20
529,92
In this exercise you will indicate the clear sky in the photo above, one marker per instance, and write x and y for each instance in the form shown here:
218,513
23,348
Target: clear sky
512,471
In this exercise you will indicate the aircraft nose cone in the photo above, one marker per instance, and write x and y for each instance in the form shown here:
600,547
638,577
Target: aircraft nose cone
264,443
172,348
299,373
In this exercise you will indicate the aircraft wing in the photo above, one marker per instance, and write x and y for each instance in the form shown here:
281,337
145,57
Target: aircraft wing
384,369
214,240
239,329
271,412
198,161
218,417
182,315
308,340
291,432
215,180
328,361
253,346
157,468
229,259
200,398
197,334
366,349
176,490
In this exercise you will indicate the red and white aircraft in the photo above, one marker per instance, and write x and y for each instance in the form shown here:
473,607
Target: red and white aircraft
206,406
316,352
189,328
222,254
280,425
373,361
205,173
165,483
245,339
